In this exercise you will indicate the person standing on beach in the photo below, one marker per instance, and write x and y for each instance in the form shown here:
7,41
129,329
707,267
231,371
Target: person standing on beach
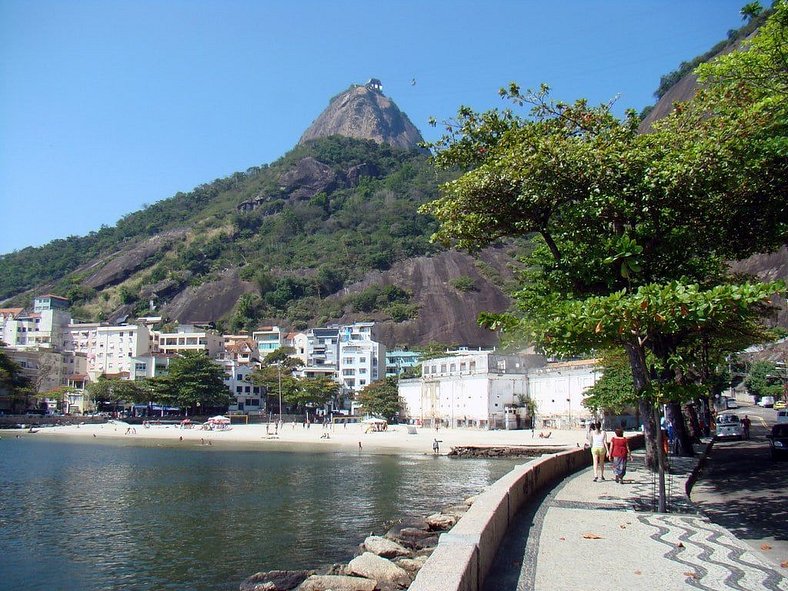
599,451
619,454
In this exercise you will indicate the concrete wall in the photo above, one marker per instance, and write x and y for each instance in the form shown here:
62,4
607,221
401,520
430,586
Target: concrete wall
465,554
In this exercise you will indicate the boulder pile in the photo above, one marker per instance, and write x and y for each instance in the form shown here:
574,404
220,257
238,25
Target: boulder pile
383,563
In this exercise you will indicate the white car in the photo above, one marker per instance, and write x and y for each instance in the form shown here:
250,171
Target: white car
729,425
731,403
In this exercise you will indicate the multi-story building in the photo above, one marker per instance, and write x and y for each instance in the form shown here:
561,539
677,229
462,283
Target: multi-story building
8,325
268,339
110,350
398,361
488,390
188,338
249,398
361,357
299,342
152,365
558,390
41,328
470,389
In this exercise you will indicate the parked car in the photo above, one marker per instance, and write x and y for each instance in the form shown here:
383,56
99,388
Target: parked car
778,441
766,401
729,425
780,404
782,416
731,403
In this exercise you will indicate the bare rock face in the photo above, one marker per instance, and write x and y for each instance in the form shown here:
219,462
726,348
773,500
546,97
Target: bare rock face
115,268
308,178
364,112
210,301
447,314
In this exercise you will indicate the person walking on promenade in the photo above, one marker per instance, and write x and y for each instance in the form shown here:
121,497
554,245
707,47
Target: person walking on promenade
745,426
619,454
599,451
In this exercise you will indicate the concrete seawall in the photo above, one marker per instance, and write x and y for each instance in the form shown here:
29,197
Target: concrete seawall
464,555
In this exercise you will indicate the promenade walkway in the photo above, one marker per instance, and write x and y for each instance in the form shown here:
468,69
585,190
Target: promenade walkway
594,536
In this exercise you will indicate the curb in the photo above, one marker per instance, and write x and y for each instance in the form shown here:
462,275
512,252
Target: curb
693,477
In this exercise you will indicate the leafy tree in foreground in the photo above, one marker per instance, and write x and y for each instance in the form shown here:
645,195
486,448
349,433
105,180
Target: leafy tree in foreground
381,399
632,231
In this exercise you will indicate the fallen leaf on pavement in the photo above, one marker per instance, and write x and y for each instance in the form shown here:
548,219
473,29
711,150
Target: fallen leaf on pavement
691,575
637,572
765,547
784,564
679,545
622,526
563,539
590,536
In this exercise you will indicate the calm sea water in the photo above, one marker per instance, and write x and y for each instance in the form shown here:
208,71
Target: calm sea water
132,516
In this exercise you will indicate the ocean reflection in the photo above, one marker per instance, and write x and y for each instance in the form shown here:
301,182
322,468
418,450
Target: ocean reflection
96,516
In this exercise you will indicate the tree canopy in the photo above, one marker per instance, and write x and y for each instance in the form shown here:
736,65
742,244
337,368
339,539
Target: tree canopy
381,399
632,231
195,380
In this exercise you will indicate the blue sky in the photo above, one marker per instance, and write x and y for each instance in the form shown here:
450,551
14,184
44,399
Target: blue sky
106,105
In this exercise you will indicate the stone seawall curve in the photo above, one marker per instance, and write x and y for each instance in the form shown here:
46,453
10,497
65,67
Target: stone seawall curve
464,555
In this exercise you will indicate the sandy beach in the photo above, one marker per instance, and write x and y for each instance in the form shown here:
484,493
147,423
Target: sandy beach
396,439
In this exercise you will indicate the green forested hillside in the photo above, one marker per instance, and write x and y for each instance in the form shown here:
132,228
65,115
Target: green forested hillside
296,250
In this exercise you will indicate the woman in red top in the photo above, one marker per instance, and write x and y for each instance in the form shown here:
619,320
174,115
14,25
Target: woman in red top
620,454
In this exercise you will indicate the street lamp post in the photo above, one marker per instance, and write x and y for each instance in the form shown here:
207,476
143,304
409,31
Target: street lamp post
279,375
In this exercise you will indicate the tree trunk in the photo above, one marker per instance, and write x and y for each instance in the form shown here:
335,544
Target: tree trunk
637,362
682,438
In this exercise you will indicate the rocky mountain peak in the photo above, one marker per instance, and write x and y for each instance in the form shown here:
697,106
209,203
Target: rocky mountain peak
364,112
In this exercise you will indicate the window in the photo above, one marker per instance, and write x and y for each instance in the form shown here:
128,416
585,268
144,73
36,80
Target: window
453,368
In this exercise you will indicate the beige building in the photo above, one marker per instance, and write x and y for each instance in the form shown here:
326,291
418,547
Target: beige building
189,338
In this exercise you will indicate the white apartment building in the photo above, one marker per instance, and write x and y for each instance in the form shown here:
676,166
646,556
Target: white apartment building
362,360
42,328
188,338
558,389
485,390
8,324
110,350
470,389
152,365
268,339
249,398
299,342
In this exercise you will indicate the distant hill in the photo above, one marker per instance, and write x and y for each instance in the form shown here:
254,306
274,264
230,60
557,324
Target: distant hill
328,232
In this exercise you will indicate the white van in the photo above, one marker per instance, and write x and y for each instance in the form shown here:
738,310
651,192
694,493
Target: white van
766,401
